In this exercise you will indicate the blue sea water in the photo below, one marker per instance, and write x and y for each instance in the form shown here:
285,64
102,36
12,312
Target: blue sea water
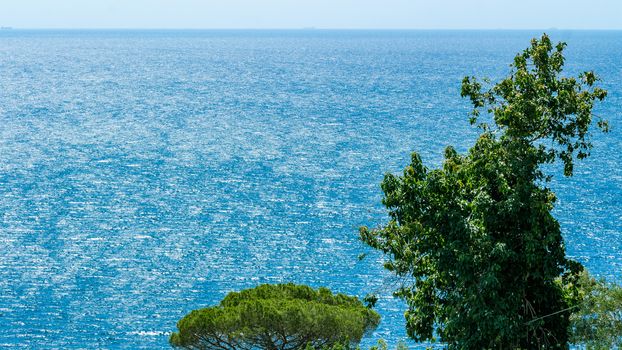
144,174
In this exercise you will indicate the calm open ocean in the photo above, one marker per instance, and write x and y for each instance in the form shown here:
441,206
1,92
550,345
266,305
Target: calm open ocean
144,174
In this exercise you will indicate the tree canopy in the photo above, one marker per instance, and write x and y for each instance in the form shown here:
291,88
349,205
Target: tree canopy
597,322
277,317
481,257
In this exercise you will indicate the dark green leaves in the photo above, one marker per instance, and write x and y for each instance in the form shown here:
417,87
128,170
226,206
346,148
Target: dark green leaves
536,104
476,237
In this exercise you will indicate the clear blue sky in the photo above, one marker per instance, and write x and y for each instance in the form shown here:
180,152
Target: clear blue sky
417,14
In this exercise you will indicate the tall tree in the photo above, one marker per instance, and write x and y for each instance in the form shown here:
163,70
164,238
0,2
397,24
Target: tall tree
277,317
482,258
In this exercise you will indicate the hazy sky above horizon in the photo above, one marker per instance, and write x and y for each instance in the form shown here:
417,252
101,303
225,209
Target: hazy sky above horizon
389,14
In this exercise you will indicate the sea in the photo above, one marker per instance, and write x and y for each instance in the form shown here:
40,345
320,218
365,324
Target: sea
147,173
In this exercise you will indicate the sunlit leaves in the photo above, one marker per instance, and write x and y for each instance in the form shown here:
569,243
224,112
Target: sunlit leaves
597,322
537,104
284,317
482,257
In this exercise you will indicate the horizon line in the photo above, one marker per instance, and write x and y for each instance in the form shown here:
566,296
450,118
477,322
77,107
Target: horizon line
311,28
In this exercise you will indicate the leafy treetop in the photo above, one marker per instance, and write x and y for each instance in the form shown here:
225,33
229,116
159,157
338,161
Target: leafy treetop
481,257
597,322
277,317
535,103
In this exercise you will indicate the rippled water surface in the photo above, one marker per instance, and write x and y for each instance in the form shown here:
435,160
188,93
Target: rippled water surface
144,174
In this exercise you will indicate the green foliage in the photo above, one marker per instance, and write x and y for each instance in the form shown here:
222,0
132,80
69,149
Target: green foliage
337,346
370,300
382,345
535,103
284,317
597,322
482,258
